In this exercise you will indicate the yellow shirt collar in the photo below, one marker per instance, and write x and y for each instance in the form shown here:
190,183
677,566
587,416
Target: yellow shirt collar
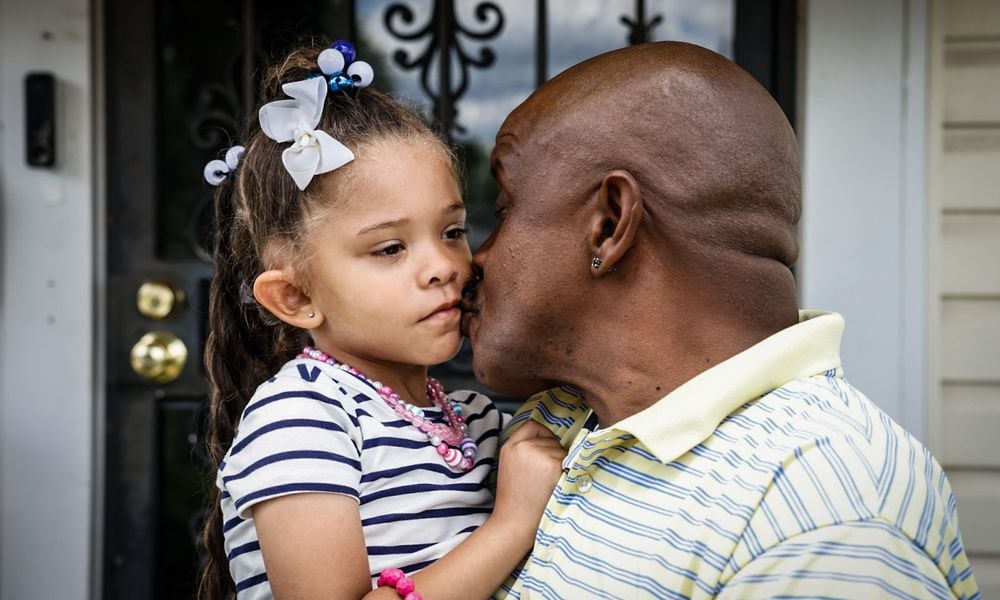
688,415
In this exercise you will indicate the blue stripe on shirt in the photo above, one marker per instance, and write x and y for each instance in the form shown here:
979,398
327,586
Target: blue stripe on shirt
284,424
290,488
294,455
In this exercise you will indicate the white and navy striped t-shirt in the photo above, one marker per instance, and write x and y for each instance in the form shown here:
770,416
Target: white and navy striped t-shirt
315,428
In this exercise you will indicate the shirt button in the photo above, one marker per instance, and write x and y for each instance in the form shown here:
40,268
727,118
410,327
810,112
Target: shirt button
584,483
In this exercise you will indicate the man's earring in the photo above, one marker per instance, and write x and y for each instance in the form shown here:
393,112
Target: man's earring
596,264
311,315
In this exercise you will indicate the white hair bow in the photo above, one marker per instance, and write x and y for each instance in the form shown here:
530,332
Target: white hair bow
314,151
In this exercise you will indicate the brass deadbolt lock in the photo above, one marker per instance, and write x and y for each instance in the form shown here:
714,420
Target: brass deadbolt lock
158,300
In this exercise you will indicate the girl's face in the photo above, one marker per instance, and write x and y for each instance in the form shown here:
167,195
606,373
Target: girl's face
388,264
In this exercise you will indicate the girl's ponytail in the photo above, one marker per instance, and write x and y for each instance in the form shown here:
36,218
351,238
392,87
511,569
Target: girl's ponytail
244,348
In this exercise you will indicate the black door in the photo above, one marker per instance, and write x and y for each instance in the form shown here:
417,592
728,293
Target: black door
180,75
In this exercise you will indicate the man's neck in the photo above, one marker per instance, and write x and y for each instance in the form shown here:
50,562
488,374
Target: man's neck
623,379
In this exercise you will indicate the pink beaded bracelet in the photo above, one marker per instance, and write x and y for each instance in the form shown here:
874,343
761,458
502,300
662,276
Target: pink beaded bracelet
403,584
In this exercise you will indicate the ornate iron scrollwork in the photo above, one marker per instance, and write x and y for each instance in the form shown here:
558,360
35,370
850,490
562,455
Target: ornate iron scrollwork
444,31
212,128
639,28
214,122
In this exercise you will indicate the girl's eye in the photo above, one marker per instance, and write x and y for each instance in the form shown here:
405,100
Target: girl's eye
389,250
456,233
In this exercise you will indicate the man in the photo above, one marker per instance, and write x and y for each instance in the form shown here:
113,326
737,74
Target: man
647,212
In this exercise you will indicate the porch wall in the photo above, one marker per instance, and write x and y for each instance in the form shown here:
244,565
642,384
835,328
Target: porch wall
964,290
862,139
47,292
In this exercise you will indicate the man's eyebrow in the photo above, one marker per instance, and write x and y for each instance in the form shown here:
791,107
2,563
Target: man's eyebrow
383,225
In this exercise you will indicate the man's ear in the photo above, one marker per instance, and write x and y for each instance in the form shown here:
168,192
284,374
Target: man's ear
614,220
278,292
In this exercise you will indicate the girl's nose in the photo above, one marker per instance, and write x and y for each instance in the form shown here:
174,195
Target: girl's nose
441,267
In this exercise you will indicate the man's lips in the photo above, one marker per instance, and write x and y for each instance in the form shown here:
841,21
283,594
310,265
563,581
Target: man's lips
470,304
469,317
470,313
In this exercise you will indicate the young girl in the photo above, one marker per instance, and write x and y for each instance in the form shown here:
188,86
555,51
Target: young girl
340,255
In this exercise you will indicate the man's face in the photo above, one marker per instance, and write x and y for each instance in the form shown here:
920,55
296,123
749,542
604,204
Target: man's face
530,269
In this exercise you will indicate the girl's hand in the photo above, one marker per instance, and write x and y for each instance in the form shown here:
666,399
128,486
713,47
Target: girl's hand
530,466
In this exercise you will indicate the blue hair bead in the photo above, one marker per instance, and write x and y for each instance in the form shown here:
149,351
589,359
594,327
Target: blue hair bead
341,83
347,49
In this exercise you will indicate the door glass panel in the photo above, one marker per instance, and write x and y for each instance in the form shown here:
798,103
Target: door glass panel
199,92
377,46
708,23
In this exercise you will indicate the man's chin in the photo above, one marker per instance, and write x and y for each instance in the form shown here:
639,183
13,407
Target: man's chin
493,370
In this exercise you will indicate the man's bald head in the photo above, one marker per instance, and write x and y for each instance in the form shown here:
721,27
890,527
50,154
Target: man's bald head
671,165
713,153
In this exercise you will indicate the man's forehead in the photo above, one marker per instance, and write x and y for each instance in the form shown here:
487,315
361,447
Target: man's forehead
522,132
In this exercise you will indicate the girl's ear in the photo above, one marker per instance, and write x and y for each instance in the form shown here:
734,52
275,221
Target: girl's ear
278,292
614,220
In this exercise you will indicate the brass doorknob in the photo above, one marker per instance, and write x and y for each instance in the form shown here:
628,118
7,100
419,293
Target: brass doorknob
159,356
157,299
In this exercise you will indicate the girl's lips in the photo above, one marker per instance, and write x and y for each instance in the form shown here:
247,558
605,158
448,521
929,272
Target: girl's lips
446,314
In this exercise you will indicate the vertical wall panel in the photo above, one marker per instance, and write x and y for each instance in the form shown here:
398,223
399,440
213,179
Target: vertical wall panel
863,167
47,346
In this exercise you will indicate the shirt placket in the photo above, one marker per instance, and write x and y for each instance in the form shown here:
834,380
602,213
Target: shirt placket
578,479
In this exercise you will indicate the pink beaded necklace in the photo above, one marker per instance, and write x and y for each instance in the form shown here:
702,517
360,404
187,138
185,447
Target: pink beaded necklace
451,441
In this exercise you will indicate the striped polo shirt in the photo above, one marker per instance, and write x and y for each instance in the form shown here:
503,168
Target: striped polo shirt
766,476
315,428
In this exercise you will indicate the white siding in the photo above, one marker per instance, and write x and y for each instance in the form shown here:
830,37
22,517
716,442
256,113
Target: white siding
964,284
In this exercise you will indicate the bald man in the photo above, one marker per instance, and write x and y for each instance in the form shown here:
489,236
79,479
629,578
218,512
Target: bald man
641,270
